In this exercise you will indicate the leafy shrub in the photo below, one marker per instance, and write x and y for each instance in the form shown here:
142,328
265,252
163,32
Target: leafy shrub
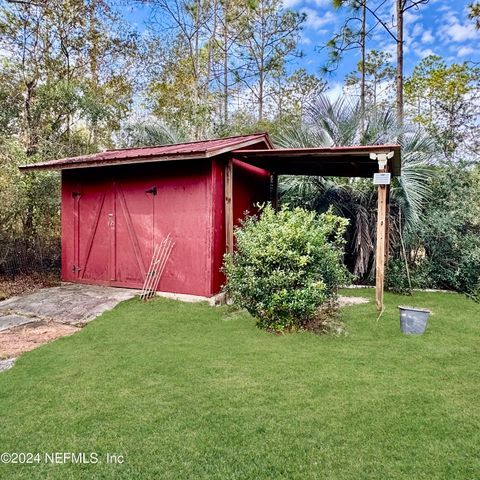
286,265
396,279
448,238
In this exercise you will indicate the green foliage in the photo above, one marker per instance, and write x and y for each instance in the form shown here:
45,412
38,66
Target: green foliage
444,250
396,277
379,74
286,264
30,213
474,13
67,74
442,98
339,122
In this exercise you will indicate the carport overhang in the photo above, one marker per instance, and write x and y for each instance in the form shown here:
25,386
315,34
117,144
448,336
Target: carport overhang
324,162
353,161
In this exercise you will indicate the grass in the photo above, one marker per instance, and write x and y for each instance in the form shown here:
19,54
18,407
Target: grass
191,391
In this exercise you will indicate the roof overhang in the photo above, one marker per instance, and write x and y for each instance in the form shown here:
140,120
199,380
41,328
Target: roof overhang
147,155
355,161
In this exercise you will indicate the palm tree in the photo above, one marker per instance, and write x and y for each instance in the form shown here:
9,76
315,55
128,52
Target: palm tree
148,132
339,122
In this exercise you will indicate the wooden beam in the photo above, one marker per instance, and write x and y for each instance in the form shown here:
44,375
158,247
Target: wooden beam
228,174
387,226
381,242
274,192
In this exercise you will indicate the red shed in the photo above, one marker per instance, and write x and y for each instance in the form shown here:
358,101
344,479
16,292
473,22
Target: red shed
119,204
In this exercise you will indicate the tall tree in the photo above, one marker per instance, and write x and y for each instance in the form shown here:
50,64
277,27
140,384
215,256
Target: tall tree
402,6
50,48
352,35
376,72
269,38
442,98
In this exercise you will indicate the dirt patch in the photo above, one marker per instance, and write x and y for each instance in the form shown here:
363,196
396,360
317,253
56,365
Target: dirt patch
15,341
346,301
26,283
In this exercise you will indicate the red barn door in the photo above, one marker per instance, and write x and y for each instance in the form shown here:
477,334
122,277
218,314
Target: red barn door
113,232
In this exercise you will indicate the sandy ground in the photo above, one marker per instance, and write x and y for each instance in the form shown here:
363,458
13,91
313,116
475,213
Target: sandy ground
17,340
346,301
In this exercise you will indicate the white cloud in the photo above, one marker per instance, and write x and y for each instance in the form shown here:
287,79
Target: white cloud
316,21
417,30
334,91
304,40
460,33
464,51
454,31
390,48
322,3
424,52
291,3
427,37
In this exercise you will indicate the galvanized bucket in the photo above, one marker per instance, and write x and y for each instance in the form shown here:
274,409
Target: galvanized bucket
413,321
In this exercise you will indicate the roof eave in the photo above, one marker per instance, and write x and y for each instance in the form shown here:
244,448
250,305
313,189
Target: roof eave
58,165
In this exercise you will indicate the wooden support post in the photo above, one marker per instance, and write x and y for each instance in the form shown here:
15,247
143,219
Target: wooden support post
274,192
387,226
229,206
381,241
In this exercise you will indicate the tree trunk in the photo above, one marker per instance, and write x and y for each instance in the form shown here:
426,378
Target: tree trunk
362,68
399,77
32,135
225,63
260,96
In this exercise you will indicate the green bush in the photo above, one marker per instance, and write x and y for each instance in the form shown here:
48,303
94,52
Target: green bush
446,245
286,265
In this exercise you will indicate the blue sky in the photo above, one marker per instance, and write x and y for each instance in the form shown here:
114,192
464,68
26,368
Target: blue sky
441,27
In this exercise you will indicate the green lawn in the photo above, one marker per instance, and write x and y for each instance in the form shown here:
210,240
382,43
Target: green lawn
191,391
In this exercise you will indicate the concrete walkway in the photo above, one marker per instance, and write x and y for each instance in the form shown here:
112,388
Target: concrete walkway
70,303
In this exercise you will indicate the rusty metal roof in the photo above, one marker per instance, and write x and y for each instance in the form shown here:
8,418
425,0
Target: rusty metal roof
255,149
179,151
351,161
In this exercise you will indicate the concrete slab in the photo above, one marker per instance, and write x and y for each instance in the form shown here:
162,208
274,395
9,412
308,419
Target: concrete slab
13,320
70,303
6,364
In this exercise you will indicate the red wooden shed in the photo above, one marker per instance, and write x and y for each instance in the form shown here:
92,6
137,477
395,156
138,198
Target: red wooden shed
118,204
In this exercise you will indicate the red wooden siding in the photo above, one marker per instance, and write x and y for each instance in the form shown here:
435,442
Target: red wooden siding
110,225
251,185
111,219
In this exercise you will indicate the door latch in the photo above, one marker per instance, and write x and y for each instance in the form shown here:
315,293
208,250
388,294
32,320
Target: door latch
152,190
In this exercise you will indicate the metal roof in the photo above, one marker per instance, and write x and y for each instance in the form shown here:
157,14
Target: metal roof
179,151
352,161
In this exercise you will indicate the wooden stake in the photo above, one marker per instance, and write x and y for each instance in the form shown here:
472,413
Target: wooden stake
387,225
381,238
229,206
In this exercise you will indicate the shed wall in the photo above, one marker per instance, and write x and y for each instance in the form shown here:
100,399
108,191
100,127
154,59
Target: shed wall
251,185
110,224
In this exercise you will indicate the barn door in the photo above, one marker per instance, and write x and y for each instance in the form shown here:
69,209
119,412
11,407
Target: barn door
134,229
93,232
113,232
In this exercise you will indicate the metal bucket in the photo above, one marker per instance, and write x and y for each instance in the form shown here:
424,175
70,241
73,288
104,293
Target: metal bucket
413,321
